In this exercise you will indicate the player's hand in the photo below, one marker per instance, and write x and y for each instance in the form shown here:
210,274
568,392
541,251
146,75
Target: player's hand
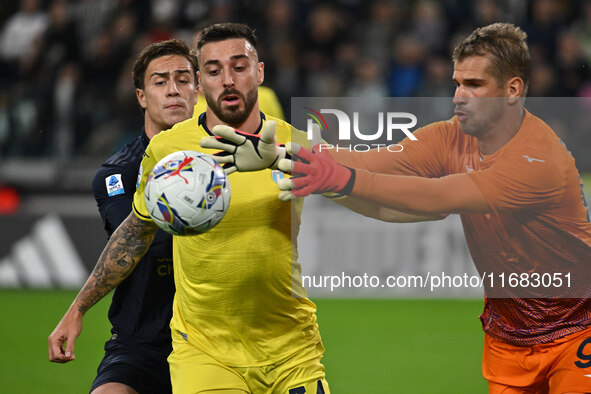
61,341
313,172
242,151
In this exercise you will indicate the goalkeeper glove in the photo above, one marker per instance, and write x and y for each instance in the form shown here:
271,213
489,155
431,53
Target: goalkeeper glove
242,151
313,172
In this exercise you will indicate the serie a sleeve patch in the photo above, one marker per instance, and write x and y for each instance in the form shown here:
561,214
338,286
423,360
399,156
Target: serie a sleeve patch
114,185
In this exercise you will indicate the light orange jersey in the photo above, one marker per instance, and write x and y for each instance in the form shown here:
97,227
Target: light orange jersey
539,223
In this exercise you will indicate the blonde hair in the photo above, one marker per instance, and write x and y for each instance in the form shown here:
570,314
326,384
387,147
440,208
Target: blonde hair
505,47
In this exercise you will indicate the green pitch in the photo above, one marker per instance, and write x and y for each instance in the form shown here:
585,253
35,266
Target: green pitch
373,346
402,346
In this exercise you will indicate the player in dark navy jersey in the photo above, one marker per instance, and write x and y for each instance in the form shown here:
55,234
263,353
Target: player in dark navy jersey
141,308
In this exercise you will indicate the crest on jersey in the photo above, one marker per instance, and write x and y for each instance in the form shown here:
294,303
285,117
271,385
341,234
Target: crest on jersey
277,175
114,185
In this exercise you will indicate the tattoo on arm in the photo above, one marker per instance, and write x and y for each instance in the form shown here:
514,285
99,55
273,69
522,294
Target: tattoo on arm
125,248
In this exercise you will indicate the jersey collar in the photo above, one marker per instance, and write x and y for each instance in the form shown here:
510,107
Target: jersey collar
144,138
202,123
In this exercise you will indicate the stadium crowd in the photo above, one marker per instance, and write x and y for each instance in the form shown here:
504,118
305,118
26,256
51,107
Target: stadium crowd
65,65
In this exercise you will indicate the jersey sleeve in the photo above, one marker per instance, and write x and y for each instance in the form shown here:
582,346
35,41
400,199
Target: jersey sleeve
269,103
139,203
421,157
300,137
113,188
528,180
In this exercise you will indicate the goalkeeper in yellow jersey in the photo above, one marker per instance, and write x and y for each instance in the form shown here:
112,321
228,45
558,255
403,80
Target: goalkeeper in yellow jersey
241,321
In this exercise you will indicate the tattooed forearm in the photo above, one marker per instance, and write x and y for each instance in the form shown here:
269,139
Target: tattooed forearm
125,248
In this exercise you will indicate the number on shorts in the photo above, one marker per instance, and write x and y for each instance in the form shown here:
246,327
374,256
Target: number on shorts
583,356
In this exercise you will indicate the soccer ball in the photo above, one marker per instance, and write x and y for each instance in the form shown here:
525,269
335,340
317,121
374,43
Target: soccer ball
187,193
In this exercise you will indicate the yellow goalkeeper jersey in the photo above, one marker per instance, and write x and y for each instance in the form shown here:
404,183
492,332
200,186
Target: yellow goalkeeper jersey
238,287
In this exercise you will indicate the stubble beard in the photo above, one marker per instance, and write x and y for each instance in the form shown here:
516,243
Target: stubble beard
478,123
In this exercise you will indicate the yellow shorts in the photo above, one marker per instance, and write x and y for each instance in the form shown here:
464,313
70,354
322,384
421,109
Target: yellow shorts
560,366
193,371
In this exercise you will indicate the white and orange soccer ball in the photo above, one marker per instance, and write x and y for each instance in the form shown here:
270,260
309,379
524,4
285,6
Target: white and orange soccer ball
187,193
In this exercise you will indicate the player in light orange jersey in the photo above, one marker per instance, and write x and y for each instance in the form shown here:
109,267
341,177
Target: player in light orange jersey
518,192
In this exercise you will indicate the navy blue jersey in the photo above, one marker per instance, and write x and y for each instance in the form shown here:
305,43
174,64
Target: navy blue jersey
141,307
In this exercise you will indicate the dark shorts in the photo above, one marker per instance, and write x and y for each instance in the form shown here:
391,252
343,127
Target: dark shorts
144,370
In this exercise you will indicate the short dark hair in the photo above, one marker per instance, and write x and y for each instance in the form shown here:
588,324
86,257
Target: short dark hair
159,49
225,31
505,47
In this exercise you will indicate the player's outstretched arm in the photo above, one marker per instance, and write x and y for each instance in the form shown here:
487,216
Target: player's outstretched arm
384,214
125,248
240,151
319,173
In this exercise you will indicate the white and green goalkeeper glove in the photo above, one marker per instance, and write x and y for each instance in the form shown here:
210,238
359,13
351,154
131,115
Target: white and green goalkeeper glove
240,151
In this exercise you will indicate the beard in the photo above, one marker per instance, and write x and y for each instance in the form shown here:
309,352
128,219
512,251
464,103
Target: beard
482,119
233,116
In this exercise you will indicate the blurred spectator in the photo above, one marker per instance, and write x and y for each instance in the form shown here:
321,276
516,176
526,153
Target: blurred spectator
437,80
18,36
368,81
573,69
543,82
100,72
428,25
21,30
279,26
487,12
59,41
123,33
285,73
582,29
543,27
221,11
459,14
165,11
194,12
92,17
349,57
377,32
57,47
406,75
323,34
163,17
278,48
64,98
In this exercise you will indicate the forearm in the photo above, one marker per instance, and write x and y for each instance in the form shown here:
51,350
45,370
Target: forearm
377,211
125,248
422,196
